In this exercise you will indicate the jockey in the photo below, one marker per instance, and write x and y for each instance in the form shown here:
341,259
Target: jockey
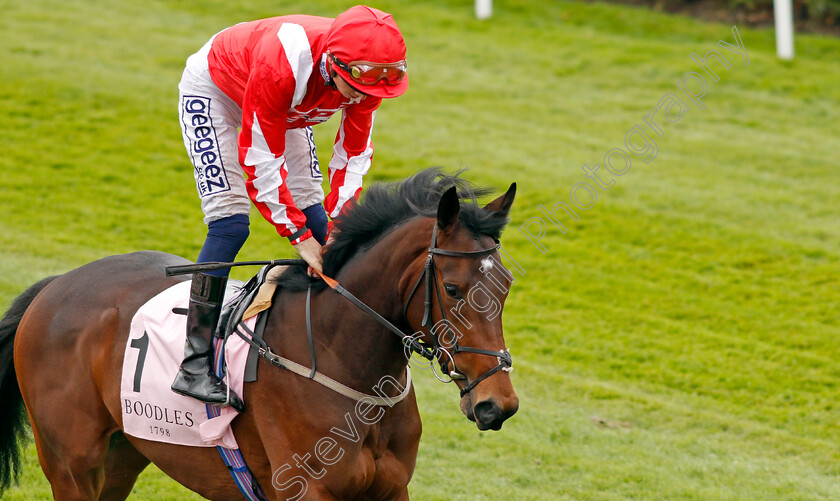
275,78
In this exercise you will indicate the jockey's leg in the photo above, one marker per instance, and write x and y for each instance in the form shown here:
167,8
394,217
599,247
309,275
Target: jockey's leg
225,237
196,377
209,123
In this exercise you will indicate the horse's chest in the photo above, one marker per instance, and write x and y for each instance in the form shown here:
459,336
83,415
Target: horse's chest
345,456
385,464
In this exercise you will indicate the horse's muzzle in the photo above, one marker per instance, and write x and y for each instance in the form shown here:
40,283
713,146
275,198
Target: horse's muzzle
489,416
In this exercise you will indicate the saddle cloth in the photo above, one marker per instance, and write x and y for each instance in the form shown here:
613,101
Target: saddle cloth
153,354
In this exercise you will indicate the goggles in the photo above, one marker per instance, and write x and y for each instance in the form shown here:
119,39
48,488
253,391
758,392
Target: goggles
367,73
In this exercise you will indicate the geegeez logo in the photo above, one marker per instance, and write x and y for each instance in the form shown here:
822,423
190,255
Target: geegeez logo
210,176
313,116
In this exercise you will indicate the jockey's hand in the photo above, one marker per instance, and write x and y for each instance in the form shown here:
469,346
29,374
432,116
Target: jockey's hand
310,251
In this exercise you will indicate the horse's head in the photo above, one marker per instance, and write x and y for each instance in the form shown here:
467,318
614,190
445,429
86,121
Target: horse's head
456,306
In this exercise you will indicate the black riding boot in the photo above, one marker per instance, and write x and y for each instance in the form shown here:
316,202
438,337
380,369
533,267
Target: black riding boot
196,377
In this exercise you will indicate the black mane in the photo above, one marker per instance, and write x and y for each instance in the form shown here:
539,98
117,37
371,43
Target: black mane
388,205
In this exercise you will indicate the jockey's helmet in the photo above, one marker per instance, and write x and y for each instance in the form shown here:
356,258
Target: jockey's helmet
366,48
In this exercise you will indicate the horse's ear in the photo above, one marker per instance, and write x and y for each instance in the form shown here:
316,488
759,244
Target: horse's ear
503,203
448,209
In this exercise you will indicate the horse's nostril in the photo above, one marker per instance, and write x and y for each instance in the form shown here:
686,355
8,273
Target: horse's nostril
487,413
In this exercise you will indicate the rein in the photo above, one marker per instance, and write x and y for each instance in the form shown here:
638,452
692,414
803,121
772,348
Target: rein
407,339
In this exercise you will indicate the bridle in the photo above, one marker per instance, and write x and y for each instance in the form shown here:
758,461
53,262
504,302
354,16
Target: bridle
411,342
429,277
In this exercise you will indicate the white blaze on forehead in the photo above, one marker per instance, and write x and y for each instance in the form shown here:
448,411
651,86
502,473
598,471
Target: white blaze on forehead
487,264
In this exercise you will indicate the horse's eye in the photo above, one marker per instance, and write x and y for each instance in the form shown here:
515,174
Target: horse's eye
453,290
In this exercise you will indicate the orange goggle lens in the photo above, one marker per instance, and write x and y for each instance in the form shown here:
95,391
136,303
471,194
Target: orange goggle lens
367,73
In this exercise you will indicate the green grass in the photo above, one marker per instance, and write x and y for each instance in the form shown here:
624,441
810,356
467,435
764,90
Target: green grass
679,342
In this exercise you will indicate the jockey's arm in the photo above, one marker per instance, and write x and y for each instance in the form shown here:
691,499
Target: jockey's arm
352,154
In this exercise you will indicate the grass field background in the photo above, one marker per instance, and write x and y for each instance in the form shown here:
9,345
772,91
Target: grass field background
679,342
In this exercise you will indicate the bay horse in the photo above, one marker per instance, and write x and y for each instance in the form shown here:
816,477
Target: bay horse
62,344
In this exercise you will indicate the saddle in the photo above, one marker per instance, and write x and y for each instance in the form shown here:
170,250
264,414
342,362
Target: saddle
254,297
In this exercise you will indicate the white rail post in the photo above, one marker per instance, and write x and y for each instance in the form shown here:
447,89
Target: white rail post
783,14
483,9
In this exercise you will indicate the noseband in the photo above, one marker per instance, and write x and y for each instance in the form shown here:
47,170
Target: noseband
429,276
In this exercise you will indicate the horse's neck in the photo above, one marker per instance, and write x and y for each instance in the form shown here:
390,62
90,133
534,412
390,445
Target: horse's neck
374,277
361,348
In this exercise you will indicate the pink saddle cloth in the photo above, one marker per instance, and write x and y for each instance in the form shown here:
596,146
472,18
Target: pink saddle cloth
153,354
